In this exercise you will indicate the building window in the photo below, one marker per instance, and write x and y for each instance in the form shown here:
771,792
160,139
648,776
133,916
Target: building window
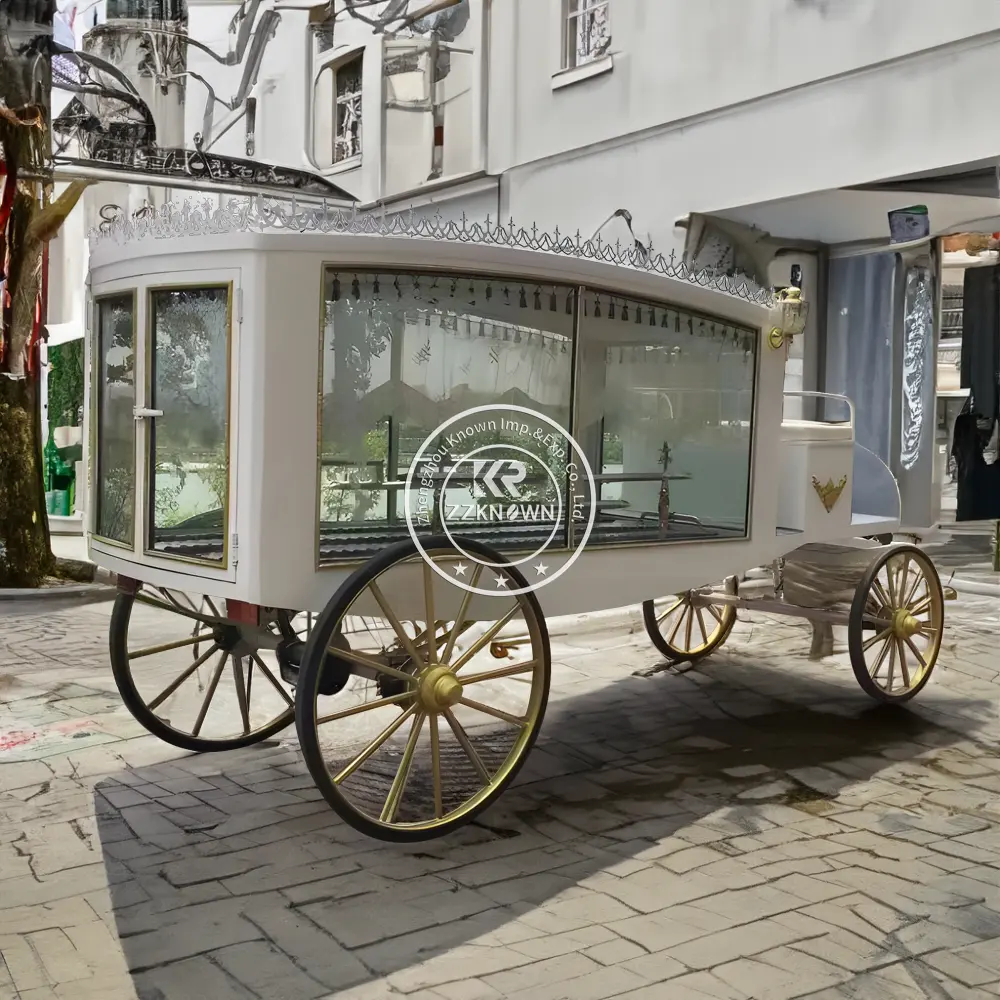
347,109
587,31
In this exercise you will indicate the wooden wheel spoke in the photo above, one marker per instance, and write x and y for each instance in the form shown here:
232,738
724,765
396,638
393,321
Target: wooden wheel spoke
431,620
882,595
395,795
666,614
209,695
890,582
242,696
484,639
436,766
373,747
881,637
510,671
689,618
460,623
368,706
165,647
262,666
916,652
710,608
466,744
175,684
172,608
922,607
678,623
911,593
701,625
901,578
250,666
496,713
397,627
364,660
903,666
880,659
892,664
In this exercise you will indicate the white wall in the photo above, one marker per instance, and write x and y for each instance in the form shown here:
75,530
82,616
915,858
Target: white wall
712,105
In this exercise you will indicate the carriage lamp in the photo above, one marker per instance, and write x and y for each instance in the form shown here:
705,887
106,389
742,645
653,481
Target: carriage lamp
789,318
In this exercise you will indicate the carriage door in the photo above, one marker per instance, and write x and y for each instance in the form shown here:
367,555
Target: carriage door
188,415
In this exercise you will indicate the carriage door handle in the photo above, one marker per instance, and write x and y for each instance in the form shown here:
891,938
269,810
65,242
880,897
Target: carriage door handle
141,413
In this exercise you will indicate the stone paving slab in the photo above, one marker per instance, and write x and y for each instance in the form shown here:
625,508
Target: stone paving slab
753,829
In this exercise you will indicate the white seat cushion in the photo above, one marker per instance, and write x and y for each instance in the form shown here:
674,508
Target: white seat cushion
816,430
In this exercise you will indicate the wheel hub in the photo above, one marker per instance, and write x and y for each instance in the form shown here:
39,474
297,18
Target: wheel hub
438,689
904,625
227,636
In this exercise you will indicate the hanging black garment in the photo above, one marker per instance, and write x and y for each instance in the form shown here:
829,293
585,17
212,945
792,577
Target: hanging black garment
981,339
978,480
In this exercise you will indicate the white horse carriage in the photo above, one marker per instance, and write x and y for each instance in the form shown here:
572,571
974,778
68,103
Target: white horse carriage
288,410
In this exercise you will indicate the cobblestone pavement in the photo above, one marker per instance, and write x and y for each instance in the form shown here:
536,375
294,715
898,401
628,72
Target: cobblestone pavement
753,828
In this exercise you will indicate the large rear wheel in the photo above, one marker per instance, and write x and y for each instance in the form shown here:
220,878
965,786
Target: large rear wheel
426,729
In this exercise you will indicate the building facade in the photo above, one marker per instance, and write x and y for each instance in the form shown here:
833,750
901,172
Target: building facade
778,137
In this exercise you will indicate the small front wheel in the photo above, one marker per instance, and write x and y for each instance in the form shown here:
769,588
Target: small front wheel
896,623
426,729
686,626
196,679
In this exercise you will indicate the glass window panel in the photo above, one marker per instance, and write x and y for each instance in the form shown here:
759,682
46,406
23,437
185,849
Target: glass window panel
403,352
115,397
189,444
666,406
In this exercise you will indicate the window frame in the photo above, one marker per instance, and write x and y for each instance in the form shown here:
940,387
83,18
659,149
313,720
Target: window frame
97,415
572,11
148,443
322,157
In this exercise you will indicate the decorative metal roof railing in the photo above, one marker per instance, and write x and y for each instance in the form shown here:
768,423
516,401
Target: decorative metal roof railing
261,215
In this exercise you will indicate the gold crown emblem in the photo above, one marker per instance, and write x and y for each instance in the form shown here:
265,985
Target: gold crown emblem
830,493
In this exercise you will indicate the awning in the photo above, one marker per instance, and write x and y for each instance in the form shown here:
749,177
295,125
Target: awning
844,220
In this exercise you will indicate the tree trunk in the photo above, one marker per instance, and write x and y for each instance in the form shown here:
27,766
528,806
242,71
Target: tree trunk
27,223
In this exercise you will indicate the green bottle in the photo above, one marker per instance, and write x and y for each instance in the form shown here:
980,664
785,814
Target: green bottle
50,460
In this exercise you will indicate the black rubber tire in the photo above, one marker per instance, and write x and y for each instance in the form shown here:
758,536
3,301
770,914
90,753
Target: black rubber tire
329,622
856,631
118,648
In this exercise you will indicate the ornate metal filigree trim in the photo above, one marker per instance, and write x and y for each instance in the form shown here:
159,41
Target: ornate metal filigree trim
829,493
262,215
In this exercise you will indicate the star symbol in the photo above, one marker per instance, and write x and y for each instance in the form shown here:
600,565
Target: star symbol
460,569
541,569
501,582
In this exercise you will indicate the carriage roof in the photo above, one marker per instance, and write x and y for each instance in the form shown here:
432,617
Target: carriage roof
401,240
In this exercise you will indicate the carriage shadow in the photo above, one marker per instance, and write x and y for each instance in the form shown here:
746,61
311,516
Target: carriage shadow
228,876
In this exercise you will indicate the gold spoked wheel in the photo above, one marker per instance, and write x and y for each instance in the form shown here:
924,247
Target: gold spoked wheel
896,624
426,729
688,627
194,678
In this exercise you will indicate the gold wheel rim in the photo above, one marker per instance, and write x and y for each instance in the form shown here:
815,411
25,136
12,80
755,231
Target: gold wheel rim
205,678
439,743
692,627
903,623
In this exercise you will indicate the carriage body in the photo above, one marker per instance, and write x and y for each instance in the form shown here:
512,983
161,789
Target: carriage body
270,400
264,404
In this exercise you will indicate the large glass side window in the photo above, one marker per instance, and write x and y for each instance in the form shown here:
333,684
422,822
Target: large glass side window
404,352
189,441
666,403
114,370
